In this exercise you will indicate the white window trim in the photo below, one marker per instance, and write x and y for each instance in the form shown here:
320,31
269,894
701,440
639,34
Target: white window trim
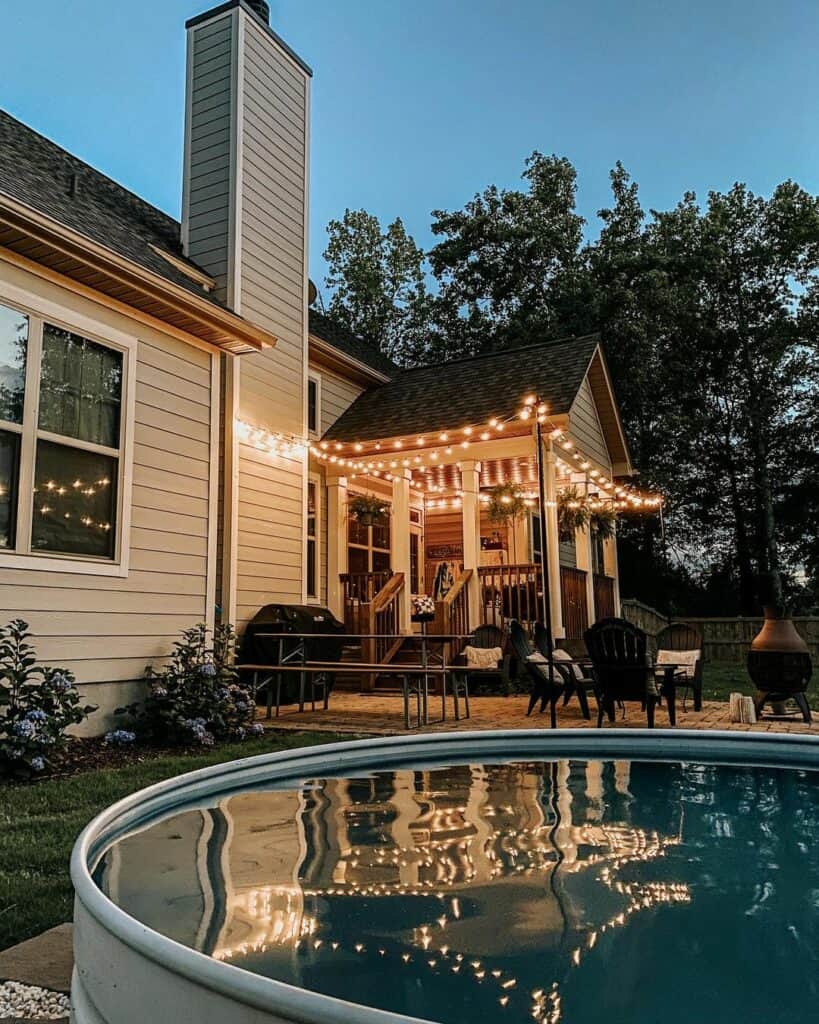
318,483
39,309
312,375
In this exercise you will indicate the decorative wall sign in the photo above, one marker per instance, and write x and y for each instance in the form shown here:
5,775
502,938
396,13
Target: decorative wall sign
444,552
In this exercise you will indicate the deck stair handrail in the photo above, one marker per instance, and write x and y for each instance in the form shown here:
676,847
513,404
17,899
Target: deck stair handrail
452,614
360,590
383,618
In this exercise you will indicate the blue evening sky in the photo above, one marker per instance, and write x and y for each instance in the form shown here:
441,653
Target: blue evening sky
419,103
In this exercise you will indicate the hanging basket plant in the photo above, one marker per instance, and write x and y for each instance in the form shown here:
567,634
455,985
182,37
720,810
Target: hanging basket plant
602,521
572,513
367,508
506,504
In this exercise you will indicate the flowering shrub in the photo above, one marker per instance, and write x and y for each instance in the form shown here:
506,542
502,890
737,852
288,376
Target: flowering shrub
37,704
197,697
120,738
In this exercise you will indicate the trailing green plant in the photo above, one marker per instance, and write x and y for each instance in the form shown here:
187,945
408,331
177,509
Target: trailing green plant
37,704
367,508
197,697
506,505
602,521
572,512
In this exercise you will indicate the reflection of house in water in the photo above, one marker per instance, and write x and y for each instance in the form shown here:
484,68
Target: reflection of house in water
478,862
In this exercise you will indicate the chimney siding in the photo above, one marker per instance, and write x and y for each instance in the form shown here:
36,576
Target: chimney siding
245,221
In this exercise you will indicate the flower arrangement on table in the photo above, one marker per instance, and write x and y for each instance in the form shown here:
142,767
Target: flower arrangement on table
423,608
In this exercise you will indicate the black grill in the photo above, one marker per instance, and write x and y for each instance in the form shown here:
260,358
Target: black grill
292,618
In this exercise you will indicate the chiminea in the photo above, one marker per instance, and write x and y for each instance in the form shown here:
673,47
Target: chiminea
779,663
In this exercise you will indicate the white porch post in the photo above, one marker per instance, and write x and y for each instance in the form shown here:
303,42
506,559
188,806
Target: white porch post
583,547
553,538
336,543
400,544
613,568
471,510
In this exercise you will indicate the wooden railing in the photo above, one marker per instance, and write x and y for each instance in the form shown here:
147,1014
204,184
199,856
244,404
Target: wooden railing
511,592
452,614
574,602
360,589
603,597
383,619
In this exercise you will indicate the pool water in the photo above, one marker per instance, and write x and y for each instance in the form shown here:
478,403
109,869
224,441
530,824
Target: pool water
580,891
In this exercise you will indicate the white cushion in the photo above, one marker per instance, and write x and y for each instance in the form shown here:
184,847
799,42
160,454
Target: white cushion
483,657
560,655
687,660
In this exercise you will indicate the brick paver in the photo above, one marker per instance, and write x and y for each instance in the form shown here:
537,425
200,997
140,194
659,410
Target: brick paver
382,714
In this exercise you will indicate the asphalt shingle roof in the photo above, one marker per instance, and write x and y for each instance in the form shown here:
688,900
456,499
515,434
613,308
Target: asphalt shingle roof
39,173
322,326
468,391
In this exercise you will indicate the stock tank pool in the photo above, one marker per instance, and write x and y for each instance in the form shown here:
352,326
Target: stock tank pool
622,876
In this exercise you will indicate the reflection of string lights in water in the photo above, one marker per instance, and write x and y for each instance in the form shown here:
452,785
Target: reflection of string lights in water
428,844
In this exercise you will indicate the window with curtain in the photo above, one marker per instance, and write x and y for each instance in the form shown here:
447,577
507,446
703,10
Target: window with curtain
60,439
312,580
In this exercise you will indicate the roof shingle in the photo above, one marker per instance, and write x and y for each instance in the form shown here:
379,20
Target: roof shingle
322,326
43,176
468,391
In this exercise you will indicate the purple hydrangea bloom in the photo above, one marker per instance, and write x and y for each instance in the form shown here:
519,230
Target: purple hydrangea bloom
257,729
24,728
208,669
60,682
120,737
37,764
36,715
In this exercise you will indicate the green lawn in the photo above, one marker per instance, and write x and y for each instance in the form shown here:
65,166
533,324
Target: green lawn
720,680
39,823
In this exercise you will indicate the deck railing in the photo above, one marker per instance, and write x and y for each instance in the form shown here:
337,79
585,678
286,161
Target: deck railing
383,620
360,589
574,602
511,592
452,614
603,597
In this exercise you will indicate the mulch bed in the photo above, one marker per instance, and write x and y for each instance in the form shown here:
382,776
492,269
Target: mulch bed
93,754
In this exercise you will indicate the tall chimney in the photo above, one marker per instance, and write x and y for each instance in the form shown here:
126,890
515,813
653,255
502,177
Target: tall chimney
244,221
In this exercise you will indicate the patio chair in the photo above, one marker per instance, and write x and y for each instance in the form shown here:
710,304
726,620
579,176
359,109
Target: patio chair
682,643
622,668
485,637
543,689
572,675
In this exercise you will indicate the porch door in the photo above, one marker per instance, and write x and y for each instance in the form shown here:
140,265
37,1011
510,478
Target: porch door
416,547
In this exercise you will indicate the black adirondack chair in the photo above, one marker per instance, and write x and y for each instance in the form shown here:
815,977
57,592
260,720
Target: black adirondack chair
680,636
542,689
622,667
574,681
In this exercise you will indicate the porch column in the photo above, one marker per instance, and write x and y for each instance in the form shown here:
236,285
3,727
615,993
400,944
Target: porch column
471,512
336,543
553,538
613,568
583,548
400,544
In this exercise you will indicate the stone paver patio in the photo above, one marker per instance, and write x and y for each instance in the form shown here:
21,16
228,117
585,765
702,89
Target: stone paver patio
382,714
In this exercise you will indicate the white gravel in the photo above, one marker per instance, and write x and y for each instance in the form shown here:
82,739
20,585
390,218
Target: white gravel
31,1002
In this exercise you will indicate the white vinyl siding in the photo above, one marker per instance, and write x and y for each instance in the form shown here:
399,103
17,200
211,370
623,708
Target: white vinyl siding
107,628
585,429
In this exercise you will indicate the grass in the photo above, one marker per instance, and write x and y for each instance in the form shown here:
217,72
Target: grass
40,821
719,681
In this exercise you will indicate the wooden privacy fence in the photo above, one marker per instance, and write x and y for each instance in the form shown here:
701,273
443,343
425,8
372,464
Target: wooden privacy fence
724,639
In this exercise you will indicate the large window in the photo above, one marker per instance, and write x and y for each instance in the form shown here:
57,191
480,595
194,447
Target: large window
61,399
368,547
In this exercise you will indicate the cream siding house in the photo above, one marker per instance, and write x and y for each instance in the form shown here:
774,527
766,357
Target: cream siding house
171,408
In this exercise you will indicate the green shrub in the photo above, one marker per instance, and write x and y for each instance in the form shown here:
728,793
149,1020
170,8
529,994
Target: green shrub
37,704
196,699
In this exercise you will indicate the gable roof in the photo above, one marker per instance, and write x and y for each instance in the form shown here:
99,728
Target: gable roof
342,339
446,396
40,174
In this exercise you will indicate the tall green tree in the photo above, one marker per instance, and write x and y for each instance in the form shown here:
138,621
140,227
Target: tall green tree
508,264
376,279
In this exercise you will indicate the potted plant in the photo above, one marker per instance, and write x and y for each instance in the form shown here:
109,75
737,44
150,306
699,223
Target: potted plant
506,506
572,512
602,521
367,508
